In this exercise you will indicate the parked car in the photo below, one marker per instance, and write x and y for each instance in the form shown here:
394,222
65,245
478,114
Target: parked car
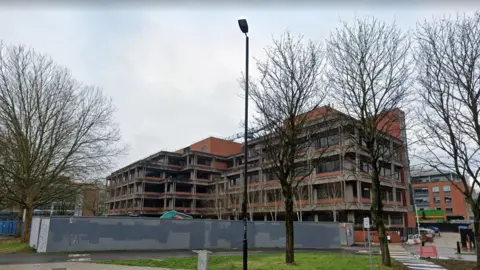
426,230
434,229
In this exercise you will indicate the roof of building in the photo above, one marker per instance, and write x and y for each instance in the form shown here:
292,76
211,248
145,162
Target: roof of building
421,172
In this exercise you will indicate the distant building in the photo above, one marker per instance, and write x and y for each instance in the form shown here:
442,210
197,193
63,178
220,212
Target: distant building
205,179
433,190
88,202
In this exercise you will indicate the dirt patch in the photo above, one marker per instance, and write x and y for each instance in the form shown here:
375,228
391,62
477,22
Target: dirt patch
398,266
455,264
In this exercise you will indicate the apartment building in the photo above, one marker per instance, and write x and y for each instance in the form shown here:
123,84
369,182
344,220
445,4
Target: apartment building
433,190
205,180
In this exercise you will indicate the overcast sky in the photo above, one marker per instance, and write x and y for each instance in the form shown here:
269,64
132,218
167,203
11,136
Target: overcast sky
172,71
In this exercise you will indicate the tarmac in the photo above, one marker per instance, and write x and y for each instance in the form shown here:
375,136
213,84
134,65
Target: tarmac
446,245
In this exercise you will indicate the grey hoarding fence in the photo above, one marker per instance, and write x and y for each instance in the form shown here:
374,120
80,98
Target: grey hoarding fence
56,234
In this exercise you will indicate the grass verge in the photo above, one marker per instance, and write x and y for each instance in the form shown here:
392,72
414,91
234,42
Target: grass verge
9,246
454,264
304,261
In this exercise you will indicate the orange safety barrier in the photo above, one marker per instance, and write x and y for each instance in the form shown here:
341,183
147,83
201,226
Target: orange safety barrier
428,252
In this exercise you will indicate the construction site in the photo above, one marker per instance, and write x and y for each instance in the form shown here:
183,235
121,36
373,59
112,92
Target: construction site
205,180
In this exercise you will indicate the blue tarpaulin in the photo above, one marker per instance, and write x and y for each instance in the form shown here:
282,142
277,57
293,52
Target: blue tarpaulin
172,214
9,227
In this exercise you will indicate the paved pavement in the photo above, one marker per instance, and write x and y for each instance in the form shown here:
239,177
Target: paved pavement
398,253
42,258
446,247
75,266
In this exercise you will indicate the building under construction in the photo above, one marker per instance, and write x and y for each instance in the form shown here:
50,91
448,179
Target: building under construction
205,180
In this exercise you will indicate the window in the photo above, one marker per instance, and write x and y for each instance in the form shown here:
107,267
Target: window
438,178
435,189
366,193
365,166
396,153
399,196
322,192
436,200
446,188
396,220
420,179
448,209
420,191
270,176
383,195
327,139
301,171
204,148
253,178
329,166
421,201
438,208
448,199
385,172
396,174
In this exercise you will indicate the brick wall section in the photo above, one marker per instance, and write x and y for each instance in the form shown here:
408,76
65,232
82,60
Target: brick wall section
359,236
390,123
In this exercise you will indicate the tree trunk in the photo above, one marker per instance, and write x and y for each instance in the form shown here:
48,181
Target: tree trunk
377,215
382,236
27,224
289,251
334,212
476,231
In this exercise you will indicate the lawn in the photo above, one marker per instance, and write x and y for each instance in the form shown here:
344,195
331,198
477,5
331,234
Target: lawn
455,264
304,261
14,246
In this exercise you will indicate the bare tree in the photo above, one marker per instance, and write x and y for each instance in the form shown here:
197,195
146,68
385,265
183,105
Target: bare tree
4,203
252,200
272,197
300,200
287,95
233,202
94,199
448,63
218,201
335,193
53,130
369,71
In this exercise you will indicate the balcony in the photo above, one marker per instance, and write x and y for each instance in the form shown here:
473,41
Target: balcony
203,180
154,194
189,209
175,165
155,179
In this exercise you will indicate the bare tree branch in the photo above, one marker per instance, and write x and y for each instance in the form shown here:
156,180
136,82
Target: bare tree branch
369,79
53,130
448,67
287,96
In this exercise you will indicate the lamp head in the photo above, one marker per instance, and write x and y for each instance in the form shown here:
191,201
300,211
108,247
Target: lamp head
242,22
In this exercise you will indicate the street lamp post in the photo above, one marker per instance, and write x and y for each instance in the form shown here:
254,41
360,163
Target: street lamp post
244,28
